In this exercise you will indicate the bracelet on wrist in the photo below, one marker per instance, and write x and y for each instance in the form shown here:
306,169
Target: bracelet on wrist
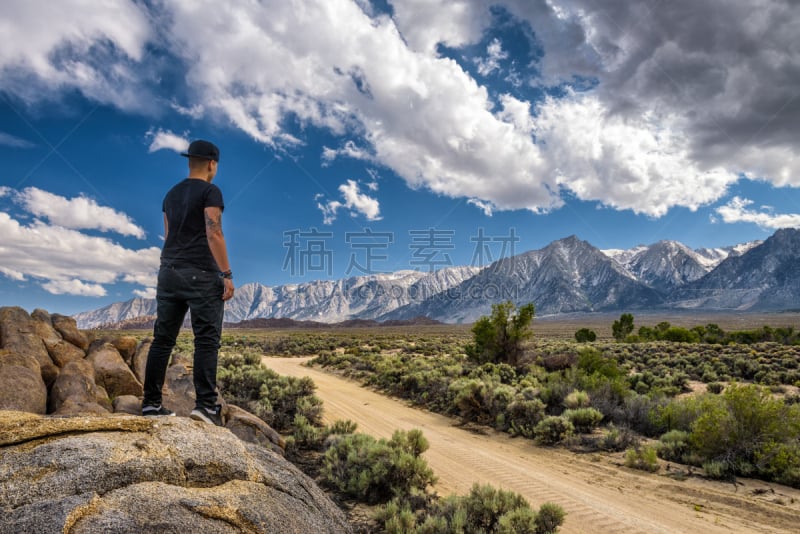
227,274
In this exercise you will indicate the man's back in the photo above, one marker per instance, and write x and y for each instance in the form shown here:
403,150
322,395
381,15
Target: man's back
184,206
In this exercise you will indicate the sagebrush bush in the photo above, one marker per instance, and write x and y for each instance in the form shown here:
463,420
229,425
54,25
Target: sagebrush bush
374,471
484,510
576,399
272,397
618,439
549,518
523,415
552,430
674,446
644,458
583,419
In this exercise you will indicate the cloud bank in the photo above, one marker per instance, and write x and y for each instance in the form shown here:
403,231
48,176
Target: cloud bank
639,105
64,260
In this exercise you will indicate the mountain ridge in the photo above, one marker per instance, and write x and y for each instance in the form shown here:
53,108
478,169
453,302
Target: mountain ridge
568,275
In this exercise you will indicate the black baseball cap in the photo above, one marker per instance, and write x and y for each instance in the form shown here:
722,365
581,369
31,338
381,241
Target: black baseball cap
202,149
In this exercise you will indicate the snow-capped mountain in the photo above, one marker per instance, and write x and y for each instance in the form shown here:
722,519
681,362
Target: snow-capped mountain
116,312
765,277
566,276
664,265
329,301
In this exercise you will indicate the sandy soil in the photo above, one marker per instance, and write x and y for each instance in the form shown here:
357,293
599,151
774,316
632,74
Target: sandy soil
598,494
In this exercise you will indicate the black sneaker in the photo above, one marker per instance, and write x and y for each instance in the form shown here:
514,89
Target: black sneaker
207,415
152,411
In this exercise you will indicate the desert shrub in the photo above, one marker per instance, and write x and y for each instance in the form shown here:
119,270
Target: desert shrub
617,439
592,361
677,414
519,520
554,391
523,415
714,387
552,430
644,458
307,436
397,518
680,335
583,419
499,398
748,430
501,372
717,470
374,471
584,335
342,427
274,398
674,446
468,396
485,509
577,399
549,518
499,338
558,361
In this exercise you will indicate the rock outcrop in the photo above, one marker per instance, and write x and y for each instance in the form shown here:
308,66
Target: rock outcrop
71,460
134,474
48,366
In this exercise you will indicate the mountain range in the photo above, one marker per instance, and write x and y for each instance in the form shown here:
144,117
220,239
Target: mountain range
567,276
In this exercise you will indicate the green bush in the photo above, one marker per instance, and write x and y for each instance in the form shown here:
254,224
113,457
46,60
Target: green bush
623,327
584,335
374,471
674,446
549,518
499,338
275,399
484,510
552,430
746,428
523,415
714,387
717,470
307,436
644,458
577,399
617,439
583,419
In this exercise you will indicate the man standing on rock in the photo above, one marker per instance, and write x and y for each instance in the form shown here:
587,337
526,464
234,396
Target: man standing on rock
194,275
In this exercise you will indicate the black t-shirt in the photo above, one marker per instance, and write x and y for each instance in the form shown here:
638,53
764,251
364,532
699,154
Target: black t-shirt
186,244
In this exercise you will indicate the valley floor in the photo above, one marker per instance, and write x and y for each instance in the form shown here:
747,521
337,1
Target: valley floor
597,493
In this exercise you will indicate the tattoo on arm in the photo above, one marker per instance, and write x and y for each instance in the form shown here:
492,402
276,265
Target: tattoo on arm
214,223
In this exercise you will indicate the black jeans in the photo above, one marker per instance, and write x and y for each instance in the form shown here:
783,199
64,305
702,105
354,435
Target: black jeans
181,289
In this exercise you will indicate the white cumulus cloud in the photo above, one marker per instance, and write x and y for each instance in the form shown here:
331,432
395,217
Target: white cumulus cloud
74,287
353,200
738,210
64,260
673,101
93,47
79,212
165,139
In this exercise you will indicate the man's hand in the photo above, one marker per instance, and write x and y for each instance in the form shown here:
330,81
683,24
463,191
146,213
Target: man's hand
228,293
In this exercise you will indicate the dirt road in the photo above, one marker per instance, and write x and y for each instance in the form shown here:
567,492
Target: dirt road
598,495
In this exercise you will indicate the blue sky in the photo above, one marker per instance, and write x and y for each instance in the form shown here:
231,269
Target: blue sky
449,129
